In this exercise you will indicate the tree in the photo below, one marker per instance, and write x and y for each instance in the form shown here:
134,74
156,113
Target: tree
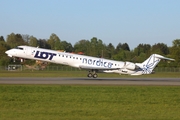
66,46
101,48
83,46
94,43
176,43
33,41
54,42
42,43
14,40
175,52
142,48
125,46
121,46
97,48
2,38
160,48
123,55
26,38
110,50
118,48
3,47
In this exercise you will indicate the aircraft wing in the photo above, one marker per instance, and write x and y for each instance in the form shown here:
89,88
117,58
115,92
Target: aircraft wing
96,68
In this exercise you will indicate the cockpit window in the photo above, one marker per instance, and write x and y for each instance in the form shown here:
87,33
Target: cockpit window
20,48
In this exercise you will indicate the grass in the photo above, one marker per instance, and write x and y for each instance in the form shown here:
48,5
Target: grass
80,74
88,102
73,102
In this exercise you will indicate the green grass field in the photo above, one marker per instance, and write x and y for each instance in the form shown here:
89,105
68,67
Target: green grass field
73,102
88,102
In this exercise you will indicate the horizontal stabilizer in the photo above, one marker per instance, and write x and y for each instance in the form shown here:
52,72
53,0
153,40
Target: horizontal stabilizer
162,57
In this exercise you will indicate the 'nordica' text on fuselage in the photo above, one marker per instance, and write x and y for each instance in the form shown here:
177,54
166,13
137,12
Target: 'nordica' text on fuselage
96,62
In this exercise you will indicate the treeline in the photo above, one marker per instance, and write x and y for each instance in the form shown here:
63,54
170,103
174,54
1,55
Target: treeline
93,47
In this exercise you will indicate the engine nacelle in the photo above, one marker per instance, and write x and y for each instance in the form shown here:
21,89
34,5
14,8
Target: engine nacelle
129,65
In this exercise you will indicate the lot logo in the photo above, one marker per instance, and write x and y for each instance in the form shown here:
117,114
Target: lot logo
44,55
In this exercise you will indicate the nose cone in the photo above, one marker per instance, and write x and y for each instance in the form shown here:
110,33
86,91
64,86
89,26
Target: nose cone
8,52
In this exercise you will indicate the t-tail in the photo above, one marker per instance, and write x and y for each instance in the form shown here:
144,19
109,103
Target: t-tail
148,65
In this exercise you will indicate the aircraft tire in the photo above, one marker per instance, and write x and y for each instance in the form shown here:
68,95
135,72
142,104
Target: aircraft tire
89,75
95,75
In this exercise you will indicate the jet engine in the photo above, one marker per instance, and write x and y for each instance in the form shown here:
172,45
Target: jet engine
129,65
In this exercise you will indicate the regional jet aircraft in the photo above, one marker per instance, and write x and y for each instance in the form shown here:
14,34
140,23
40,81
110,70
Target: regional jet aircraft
92,64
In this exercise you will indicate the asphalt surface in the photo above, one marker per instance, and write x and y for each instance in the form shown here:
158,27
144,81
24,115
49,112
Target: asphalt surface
91,81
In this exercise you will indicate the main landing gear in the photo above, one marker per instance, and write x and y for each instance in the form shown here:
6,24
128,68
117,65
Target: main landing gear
92,74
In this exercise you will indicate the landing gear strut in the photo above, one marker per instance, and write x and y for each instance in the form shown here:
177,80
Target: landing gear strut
14,59
92,74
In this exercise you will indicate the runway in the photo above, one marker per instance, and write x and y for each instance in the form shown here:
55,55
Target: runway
91,81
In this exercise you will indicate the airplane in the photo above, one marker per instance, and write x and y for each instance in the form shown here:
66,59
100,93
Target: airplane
93,64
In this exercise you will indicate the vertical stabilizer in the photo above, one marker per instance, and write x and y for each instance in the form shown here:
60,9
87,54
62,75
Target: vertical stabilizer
149,64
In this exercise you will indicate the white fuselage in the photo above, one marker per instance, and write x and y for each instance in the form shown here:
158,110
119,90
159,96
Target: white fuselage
74,60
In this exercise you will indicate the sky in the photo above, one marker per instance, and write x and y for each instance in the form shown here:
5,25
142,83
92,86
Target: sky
113,21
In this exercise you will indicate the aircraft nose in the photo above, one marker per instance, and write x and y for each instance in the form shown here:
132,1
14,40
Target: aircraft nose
8,52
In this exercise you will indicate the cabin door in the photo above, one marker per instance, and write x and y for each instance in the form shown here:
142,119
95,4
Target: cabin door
28,51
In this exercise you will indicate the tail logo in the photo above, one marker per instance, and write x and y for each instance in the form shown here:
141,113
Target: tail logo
150,65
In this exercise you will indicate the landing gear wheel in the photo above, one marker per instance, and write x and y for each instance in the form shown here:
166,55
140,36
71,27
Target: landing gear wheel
95,75
89,75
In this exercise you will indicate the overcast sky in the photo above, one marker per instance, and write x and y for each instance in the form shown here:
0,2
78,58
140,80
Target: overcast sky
113,21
